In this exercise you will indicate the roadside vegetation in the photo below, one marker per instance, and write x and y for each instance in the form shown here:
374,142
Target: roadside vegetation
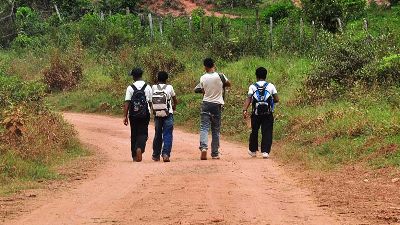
340,86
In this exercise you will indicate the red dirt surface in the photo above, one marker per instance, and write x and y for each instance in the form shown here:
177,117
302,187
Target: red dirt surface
234,190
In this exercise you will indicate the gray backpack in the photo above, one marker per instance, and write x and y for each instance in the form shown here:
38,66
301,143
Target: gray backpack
160,101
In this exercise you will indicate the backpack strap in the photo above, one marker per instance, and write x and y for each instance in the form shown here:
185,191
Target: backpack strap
259,89
222,77
136,89
161,88
144,87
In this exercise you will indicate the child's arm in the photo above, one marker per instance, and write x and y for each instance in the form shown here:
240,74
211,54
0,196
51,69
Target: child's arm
126,106
175,102
246,106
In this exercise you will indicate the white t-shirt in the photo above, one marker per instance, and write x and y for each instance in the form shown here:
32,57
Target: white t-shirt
169,90
270,88
139,85
212,85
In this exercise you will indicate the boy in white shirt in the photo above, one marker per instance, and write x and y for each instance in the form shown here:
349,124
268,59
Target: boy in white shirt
164,105
138,104
263,96
212,85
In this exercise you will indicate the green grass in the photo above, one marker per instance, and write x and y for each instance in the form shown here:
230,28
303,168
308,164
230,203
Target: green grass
17,173
88,101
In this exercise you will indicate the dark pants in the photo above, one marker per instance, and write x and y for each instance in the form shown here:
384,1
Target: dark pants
267,124
139,134
164,127
210,117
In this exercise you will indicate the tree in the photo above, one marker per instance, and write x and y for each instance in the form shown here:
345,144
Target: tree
117,6
7,26
324,12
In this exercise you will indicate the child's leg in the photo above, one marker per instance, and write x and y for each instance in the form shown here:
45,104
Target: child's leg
204,127
255,126
158,137
142,133
267,131
215,130
132,124
168,128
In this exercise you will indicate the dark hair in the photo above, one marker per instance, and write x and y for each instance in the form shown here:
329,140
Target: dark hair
136,73
209,63
162,76
261,73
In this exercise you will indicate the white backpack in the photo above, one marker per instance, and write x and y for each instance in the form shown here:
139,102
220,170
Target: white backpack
160,101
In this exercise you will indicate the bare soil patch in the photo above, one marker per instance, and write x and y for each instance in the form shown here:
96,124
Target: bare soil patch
370,196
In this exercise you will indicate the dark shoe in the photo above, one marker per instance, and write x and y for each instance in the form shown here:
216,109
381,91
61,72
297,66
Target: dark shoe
134,159
139,155
155,158
203,155
165,158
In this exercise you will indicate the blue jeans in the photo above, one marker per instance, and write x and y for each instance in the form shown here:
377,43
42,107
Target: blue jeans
210,116
164,127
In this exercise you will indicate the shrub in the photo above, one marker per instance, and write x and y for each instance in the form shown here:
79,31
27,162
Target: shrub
118,6
65,72
23,41
347,63
161,57
73,9
278,10
385,71
323,12
29,22
28,127
353,9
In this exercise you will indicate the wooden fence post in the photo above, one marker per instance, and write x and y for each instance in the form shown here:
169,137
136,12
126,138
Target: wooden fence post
314,32
151,26
190,24
127,11
301,32
161,25
271,24
365,25
340,25
257,20
101,15
58,12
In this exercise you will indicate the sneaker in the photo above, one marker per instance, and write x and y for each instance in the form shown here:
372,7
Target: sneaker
215,157
139,155
265,155
252,154
165,158
203,155
155,158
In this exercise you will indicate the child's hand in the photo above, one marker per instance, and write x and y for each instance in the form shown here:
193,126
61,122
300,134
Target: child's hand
126,121
245,114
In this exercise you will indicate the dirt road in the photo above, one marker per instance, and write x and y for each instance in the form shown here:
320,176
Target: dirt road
234,190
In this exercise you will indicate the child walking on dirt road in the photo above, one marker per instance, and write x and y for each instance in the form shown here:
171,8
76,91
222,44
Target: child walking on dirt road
212,85
137,104
164,104
262,95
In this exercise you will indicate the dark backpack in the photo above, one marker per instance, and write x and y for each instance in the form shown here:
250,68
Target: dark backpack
263,102
138,106
222,77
